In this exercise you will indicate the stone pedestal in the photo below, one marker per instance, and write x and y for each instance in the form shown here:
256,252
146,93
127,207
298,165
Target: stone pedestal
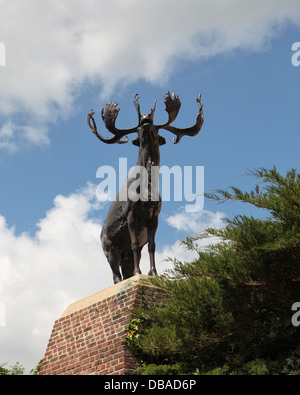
88,339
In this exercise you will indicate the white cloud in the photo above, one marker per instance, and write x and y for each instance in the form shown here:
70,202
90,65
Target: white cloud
196,222
9,133
58,46
41,275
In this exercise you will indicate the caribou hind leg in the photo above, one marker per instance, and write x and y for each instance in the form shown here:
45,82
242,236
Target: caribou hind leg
112,254
127,266
114,259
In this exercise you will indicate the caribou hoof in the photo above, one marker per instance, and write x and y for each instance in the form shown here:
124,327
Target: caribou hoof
137,271
117,279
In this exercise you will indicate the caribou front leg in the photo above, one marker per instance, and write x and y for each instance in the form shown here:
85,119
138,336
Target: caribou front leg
134,243
151,246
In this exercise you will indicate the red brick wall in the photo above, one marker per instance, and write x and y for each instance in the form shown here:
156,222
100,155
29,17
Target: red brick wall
90,340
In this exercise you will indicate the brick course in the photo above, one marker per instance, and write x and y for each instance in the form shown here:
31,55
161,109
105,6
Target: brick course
88,338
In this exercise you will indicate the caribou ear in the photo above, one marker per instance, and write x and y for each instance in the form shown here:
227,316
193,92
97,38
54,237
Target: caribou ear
161,140
136,141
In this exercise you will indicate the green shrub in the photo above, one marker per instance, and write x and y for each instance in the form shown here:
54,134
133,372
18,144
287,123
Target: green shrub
230,310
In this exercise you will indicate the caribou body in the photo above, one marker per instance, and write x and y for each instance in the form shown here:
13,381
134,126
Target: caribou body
132,222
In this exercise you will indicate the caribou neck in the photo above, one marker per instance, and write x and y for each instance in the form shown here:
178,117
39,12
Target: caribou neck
149,159
149,148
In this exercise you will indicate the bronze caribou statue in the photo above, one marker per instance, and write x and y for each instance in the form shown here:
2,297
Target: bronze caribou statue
131,223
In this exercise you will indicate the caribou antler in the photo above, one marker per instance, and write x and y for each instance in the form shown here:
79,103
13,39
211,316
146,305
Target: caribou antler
172,107
138,110
173,104
137,105
109,118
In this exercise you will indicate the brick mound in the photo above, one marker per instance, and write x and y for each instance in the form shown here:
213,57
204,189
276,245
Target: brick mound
88,339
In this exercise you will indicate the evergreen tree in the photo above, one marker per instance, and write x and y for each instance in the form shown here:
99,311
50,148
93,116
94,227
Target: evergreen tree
16,370
230,309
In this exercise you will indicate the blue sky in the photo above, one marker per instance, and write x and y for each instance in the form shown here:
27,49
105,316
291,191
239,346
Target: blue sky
67,60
